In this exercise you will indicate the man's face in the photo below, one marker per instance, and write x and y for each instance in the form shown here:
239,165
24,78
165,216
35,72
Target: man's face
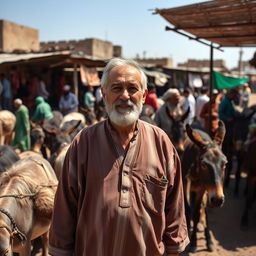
124,95
16,105
174,100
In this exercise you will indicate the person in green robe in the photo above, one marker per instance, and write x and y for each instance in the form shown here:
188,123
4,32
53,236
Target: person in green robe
43,111
22,127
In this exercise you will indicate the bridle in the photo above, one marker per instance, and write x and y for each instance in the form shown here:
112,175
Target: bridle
14,231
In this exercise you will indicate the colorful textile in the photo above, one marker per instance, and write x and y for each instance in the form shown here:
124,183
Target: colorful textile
226,82
226,109
151,100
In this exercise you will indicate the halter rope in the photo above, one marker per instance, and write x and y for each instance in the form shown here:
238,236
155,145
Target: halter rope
15,230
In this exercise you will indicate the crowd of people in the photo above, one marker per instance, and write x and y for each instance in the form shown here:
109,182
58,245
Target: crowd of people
158,110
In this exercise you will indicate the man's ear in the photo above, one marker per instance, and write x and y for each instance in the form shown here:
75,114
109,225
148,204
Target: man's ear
103,93
144,96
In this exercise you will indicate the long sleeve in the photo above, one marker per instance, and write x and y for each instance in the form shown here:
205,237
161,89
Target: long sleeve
175,236
204,112
63,228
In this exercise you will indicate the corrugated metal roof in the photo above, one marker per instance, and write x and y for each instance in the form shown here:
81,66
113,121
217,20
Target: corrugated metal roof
11,57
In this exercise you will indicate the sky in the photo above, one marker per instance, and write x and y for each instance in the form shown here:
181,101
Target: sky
130,24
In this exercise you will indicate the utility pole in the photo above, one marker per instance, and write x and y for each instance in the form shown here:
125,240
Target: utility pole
240,66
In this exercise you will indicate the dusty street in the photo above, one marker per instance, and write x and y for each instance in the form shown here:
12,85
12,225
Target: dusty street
229,238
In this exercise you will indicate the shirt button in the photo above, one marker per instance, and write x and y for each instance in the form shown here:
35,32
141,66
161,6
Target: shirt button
125,190
125,173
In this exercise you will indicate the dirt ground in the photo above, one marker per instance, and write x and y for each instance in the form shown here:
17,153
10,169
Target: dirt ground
228,237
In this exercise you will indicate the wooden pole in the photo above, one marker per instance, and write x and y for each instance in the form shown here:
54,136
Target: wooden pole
211,88
75,80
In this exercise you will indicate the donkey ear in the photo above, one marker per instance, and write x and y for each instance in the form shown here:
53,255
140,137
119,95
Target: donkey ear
220,134
185,115
196,137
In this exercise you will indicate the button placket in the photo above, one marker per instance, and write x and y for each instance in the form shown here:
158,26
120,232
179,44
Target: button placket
126,183
125,189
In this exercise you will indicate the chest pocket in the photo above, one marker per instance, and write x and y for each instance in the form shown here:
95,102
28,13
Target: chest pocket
154,194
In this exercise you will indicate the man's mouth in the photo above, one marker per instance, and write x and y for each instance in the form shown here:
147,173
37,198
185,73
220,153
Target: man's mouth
124,108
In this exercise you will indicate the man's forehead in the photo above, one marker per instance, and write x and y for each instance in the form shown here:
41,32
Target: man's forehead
122,71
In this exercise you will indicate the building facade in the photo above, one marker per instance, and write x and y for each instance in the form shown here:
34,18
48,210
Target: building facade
18,38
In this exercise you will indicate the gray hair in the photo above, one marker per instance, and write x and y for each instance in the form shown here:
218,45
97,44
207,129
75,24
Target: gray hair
18,101
123,62
170,93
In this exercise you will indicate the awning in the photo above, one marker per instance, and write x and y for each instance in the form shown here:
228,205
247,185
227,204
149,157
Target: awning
223,22
52,59
160,78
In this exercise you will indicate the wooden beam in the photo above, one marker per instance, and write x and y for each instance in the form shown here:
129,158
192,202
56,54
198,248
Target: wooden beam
212,38
202,12
246,25
192,38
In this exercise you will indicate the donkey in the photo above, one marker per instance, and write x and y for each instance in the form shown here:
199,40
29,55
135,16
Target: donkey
203,166
177,132
27,192
240,135
249,165
7,124
7,157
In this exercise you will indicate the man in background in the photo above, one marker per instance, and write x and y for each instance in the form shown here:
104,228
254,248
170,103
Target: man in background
151,98
68,101
200,101
22,127
6,93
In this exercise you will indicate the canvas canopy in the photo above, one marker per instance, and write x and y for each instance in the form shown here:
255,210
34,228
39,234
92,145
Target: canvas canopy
221,81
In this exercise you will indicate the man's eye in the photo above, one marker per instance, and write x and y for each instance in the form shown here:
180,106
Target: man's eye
133,89
116,89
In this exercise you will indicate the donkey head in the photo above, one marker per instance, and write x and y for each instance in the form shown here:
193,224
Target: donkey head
210,164
177,133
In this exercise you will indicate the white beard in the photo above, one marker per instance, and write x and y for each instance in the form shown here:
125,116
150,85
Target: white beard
128,117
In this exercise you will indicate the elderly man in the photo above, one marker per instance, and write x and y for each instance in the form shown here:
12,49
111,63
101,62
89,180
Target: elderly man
121,189
170,109
22,127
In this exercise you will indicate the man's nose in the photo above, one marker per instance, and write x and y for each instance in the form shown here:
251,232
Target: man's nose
125,95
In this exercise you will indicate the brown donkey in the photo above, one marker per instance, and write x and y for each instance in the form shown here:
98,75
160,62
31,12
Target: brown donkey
27,192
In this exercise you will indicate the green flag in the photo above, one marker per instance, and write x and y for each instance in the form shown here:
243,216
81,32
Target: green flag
227,82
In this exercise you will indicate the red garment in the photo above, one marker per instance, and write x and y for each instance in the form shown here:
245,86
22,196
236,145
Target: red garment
151,100
215,116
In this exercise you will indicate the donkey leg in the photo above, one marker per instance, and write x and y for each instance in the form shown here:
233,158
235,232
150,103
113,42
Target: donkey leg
45,239
238,172
26,249
196,217
208,237
248,203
